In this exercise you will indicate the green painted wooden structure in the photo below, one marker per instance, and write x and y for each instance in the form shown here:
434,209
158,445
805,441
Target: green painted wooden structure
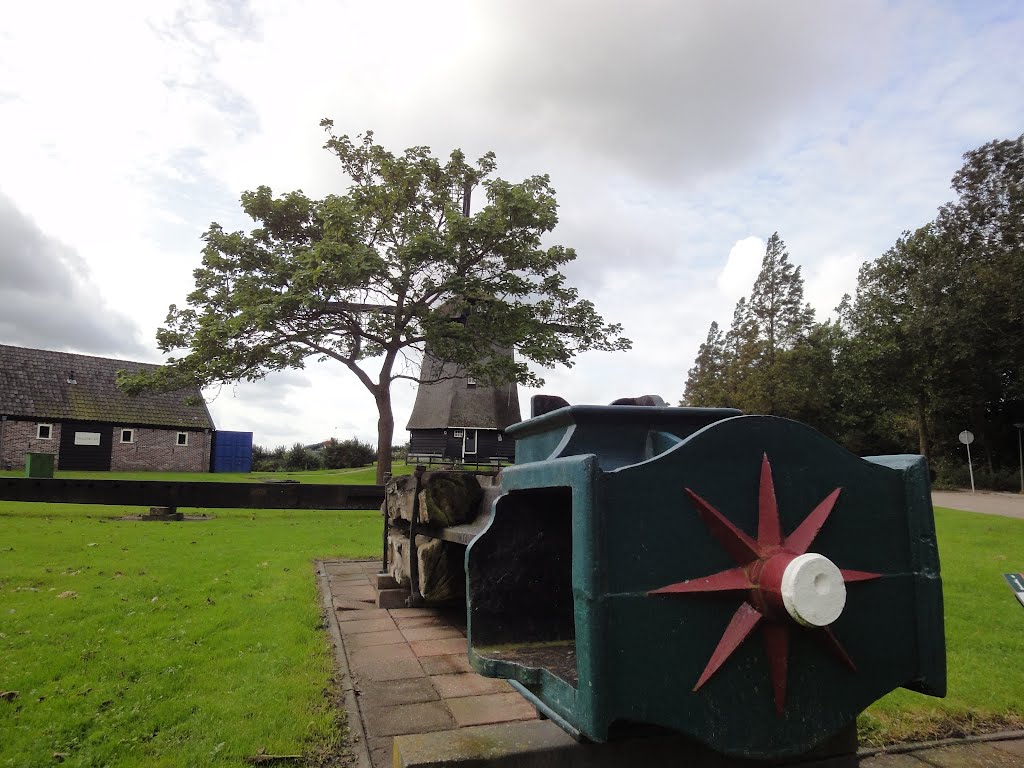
635,572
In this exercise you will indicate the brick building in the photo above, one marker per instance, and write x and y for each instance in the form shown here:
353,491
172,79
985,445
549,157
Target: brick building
70,406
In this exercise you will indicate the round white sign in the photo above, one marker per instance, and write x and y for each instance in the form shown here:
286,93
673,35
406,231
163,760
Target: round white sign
966,437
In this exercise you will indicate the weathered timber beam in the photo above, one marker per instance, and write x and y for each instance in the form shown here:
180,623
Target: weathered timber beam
145,493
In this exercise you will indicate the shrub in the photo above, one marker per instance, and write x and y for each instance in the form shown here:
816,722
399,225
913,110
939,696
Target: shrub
951,475
300,458
348,453
268,460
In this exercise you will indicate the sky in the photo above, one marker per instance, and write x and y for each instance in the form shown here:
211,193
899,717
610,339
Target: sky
679,137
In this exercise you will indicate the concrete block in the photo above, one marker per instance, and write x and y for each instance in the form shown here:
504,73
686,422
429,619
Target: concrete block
392,598
495,745
384,581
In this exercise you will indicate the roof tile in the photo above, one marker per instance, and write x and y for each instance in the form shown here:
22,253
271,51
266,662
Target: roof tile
34,384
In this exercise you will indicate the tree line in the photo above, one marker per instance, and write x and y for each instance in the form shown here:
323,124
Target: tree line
332,454
930,343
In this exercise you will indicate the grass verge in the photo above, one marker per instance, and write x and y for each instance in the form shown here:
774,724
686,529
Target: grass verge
984,639
167,644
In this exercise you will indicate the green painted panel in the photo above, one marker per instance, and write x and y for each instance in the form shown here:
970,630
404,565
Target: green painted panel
636,528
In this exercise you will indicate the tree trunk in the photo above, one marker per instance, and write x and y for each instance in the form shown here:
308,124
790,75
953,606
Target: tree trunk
385,434
922,426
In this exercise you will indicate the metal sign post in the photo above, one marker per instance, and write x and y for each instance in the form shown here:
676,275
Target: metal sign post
967,438
1020,455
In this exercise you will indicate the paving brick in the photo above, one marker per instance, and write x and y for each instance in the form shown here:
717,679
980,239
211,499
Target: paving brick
446,665
408,622
415,612
381,751
439,647
367,639
892,761
970,756
368,625
392,598
431,633
491,708
407,718
358,611
361,656
346,580
1016,746
468,684
343,569
389,693
354,592
343,605
390,669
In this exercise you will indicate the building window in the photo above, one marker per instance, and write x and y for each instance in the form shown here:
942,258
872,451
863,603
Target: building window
457,433
44,431
127,435
182,438
470,382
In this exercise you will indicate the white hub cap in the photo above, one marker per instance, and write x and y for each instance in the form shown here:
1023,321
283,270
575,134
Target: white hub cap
813,590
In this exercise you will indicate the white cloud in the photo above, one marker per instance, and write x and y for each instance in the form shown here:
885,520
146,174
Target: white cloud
741,268
677,135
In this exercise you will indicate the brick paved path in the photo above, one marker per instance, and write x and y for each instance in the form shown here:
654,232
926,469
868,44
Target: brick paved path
408,667
407,673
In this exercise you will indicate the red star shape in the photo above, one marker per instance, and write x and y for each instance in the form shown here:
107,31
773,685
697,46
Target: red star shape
759,568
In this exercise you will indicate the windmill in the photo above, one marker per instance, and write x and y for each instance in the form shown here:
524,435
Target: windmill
455,418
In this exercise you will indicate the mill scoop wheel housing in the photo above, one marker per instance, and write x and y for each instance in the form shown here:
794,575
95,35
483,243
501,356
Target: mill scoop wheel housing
740,579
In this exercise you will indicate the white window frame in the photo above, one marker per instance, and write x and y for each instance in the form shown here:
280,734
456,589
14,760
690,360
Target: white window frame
177,440
470,382
131,435
457,433
39,428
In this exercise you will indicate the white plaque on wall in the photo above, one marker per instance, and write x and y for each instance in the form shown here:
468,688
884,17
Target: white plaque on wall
87,438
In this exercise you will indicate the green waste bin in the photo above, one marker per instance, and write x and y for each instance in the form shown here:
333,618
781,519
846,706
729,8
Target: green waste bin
39,465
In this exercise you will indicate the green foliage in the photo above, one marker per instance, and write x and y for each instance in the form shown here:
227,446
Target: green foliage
389,266
184,644
299,458
268,460
760,364
929,344
936,320
347,453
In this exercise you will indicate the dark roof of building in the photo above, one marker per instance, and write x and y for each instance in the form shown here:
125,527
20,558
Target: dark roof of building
451,402
36,384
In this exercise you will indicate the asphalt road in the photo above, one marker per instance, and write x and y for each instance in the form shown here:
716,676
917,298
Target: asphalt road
1004,504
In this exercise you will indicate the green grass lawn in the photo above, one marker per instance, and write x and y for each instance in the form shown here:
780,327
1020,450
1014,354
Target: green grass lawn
167,644
984,638
200,643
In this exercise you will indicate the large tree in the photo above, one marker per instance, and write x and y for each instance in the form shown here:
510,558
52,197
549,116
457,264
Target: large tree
936,322
753,365
396,263
781,318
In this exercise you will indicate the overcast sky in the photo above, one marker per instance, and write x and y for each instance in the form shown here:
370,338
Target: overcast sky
679,136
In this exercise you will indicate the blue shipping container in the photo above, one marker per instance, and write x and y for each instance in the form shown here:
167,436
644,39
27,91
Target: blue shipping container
232,452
